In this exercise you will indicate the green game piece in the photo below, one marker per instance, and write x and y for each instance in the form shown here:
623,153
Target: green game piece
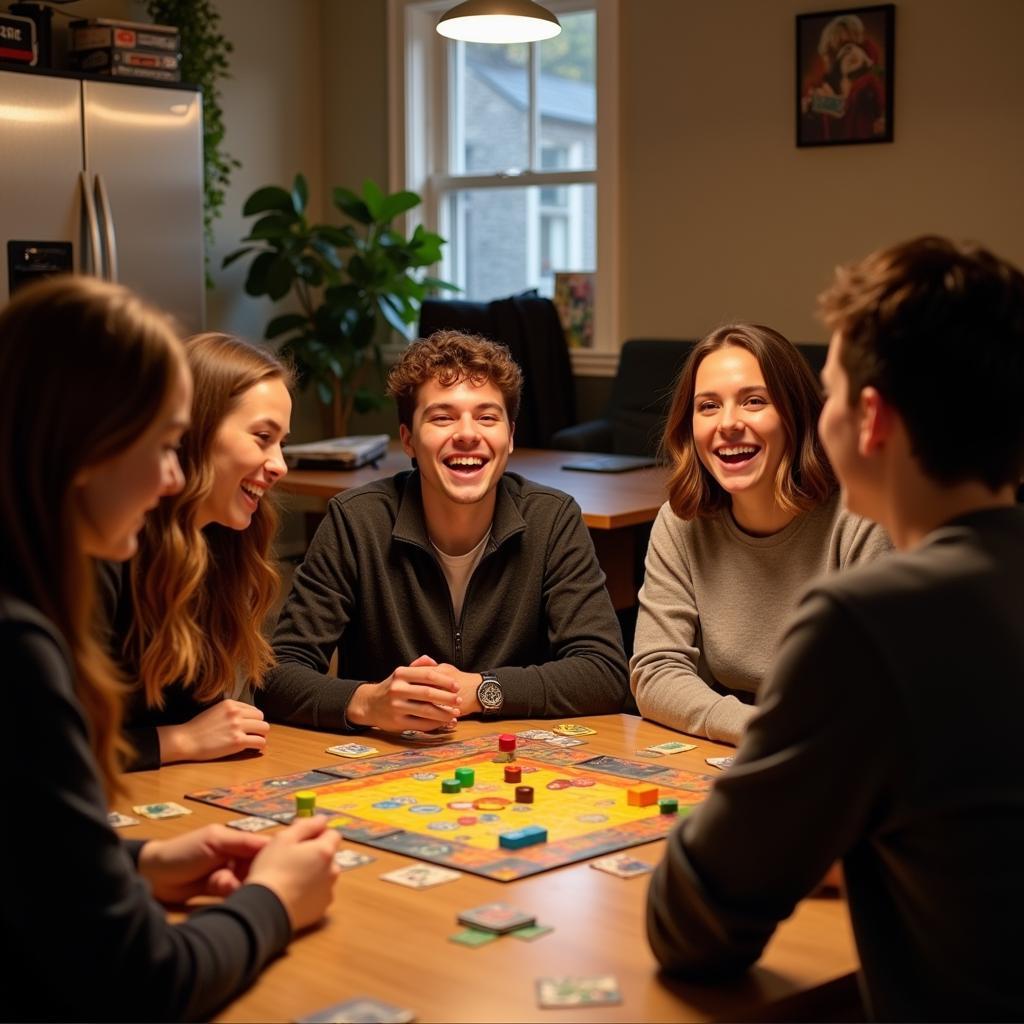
531,932
668,805
466,776
305,804
473,937
451,786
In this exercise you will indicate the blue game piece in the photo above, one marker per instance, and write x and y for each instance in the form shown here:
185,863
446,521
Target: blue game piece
517,838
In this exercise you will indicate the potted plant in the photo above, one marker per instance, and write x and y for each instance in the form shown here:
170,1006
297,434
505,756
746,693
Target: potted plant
352,283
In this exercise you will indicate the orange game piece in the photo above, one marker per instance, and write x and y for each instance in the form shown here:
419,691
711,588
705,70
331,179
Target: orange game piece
642,796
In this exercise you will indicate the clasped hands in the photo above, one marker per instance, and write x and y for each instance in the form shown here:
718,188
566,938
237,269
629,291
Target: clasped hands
423,695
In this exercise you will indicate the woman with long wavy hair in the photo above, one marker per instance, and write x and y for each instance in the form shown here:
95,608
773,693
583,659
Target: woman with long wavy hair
204,570
753,513
94,395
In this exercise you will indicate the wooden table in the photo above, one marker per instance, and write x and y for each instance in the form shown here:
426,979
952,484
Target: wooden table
391,943
613,504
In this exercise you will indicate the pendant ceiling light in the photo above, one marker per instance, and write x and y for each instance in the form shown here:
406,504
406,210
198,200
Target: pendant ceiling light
499,21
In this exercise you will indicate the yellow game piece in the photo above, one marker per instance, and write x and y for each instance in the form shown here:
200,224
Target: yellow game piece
642,796
305,804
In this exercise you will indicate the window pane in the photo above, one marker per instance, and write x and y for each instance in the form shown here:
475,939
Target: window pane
490,108
567,92
506,240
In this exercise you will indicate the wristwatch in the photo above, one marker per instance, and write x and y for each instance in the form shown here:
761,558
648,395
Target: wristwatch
489,694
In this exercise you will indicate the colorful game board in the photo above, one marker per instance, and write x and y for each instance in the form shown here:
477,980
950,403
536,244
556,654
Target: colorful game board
394,802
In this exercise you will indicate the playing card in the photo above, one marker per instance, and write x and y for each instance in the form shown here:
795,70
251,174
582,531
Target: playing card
360,1010
117,820
531,932
252,824
597,991
622,865
719,762
348,859
352,750
421,876
473,937
649,754
496,917
574,729
672,747
564,741
165,810
536,734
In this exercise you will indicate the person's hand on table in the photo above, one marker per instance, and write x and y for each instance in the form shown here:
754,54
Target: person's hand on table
466,684
297,865
414,696
209,861
227,727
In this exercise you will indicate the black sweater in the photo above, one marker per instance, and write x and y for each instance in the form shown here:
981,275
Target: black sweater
536,610
85,940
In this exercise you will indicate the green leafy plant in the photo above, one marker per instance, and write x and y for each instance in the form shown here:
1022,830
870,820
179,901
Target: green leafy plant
352,283
204,62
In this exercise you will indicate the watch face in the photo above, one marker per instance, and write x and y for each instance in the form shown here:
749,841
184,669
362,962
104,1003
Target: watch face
490,696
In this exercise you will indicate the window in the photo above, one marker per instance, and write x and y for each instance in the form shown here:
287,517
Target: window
505,145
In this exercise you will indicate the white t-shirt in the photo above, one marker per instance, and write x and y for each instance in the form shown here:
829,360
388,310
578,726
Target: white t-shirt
458,569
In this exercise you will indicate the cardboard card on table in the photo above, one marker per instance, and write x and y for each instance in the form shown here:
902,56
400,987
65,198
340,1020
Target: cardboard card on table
602,990
360,1010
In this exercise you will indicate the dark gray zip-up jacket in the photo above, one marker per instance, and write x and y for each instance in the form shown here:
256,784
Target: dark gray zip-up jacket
536,611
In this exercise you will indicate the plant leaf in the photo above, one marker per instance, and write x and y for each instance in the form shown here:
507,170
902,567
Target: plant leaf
348,202
272,226
270,198
237,254
280,275
300,194
396,203
282,324
256,280
374,199
391,313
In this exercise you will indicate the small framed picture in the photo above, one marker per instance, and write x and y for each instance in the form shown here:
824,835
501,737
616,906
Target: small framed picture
844,76
574,300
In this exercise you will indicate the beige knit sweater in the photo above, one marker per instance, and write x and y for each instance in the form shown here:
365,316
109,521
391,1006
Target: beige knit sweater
714,604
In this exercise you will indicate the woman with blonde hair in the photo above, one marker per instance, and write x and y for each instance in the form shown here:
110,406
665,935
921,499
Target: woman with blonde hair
753,514
204,570
94,396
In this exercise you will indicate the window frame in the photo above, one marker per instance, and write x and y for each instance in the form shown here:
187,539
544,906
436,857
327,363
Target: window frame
416,53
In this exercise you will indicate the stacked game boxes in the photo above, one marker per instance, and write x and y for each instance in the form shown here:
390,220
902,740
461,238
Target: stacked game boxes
126,49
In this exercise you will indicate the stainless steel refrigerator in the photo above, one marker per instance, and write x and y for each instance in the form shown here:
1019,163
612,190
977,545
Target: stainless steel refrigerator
104,178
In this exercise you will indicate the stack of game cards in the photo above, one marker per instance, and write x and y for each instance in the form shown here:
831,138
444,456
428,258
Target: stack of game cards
126,49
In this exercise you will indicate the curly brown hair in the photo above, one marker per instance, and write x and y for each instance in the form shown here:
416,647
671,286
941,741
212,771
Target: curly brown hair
450,357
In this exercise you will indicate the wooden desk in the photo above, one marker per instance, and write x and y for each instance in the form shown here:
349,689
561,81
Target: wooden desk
613,504
391,943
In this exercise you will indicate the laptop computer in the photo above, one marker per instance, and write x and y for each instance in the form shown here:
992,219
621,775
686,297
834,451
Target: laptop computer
337,452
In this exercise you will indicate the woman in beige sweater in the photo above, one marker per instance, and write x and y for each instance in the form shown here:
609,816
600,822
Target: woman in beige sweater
753,515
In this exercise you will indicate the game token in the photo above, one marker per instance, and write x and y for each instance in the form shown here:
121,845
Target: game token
466,776
360,1010
573,729
451,786
672,747
348,859
622,865
719,762
513,773
421,876
164,810
559,784
524,794
496,917
668,805
473,937
599,991
490,803
252,824
506,742
305,804
352,750
116,820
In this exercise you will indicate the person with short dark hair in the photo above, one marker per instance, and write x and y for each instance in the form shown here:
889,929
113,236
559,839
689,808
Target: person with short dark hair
752,513
454,588
885,667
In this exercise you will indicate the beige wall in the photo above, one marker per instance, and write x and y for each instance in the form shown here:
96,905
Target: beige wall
725,218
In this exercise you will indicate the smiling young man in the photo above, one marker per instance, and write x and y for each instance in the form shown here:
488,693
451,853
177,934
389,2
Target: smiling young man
885,668
454,588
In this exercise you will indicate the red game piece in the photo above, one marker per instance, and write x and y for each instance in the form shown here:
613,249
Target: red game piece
506,742
513,773
524,794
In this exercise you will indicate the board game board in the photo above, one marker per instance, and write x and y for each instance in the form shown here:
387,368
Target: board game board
394,802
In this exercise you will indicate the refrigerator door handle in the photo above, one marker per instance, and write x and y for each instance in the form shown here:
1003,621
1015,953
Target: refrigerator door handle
110,235
92,227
